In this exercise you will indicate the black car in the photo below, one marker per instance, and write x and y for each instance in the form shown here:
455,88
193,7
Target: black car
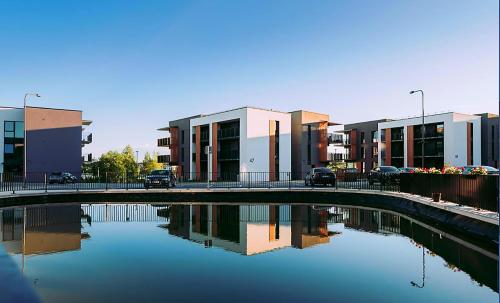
489,170
160,178
61,178
384,175
351,174
320,175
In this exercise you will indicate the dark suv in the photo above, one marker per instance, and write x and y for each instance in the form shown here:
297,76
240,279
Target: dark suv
320,175
384,175
160,178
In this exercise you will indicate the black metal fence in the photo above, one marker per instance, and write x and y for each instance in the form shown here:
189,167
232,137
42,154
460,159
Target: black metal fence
477,191
12,182
471,190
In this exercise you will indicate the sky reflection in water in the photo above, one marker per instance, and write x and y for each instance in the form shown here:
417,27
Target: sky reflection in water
242,253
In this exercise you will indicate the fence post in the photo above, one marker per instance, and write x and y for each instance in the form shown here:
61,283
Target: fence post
249,177
289,180
45,181
126,181
106,180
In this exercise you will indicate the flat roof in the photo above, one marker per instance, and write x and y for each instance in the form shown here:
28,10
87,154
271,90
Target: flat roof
243,107
41,107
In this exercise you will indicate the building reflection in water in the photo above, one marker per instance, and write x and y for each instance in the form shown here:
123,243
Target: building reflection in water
245,229
46,229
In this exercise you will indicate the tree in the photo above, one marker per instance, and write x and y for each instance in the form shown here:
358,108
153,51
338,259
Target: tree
129,161
150,163
115,165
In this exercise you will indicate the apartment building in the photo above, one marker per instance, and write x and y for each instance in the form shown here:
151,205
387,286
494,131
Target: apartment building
247,139
449,138
178,143
241,140
489,139
360,142
310,141
53,139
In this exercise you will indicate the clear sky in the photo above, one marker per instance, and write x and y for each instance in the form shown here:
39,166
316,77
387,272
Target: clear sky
132,66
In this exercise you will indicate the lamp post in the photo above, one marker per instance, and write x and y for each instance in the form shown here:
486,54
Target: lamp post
25,138
422,129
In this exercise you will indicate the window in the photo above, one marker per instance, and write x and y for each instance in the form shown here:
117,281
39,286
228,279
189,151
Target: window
374,151
493,142
363,152
374,136
382,135
9,148
182,150
309,144
182,138
363,137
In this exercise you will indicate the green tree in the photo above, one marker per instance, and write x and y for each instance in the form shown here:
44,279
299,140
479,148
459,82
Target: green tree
129,160
150,163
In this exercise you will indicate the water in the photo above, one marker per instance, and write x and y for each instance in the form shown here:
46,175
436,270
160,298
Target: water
242,253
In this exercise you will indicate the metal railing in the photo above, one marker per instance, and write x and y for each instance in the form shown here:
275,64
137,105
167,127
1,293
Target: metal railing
477,191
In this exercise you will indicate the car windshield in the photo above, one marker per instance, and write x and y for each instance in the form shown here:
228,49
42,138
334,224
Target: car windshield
388,169
159,172
322,170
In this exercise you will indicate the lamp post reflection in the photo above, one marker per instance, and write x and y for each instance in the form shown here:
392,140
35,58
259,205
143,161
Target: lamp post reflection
423,271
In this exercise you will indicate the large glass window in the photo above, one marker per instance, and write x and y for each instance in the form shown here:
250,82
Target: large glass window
13,146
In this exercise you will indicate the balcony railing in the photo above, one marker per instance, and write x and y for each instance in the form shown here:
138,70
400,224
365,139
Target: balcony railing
335,139
163,158
227,133
164,142
204,136
86,138
228,155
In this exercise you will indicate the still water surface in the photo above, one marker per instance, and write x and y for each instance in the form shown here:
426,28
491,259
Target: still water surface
242,253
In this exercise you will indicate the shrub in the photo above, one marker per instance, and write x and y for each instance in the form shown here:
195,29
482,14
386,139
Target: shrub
479,171
452,170
433,170
419,170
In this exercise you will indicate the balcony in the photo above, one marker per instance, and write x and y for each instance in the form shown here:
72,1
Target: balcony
335,139
228,133
163,158
164,142
204,136
86,138
228,155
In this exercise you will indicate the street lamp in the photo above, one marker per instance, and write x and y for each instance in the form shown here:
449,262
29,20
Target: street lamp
25,137
422,129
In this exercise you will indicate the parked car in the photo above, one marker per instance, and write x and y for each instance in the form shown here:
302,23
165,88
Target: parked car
407,170
384,175
160,178
61,178
351,175
320,175
489,169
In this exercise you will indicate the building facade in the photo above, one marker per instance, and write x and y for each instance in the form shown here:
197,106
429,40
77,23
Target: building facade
247,140
489,140
449,138
242,140
53,140
360,142
178,143
309,141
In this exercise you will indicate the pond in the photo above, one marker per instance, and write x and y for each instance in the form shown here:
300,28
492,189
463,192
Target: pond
242,253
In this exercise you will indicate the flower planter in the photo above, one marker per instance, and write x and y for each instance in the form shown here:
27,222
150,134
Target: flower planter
436,197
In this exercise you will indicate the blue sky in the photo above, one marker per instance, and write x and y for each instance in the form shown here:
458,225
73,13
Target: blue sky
132,66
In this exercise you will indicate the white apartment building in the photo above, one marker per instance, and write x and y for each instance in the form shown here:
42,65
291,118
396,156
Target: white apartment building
242,140
450,138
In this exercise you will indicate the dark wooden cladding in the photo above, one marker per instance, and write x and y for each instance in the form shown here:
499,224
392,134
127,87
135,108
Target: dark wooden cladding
471,190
